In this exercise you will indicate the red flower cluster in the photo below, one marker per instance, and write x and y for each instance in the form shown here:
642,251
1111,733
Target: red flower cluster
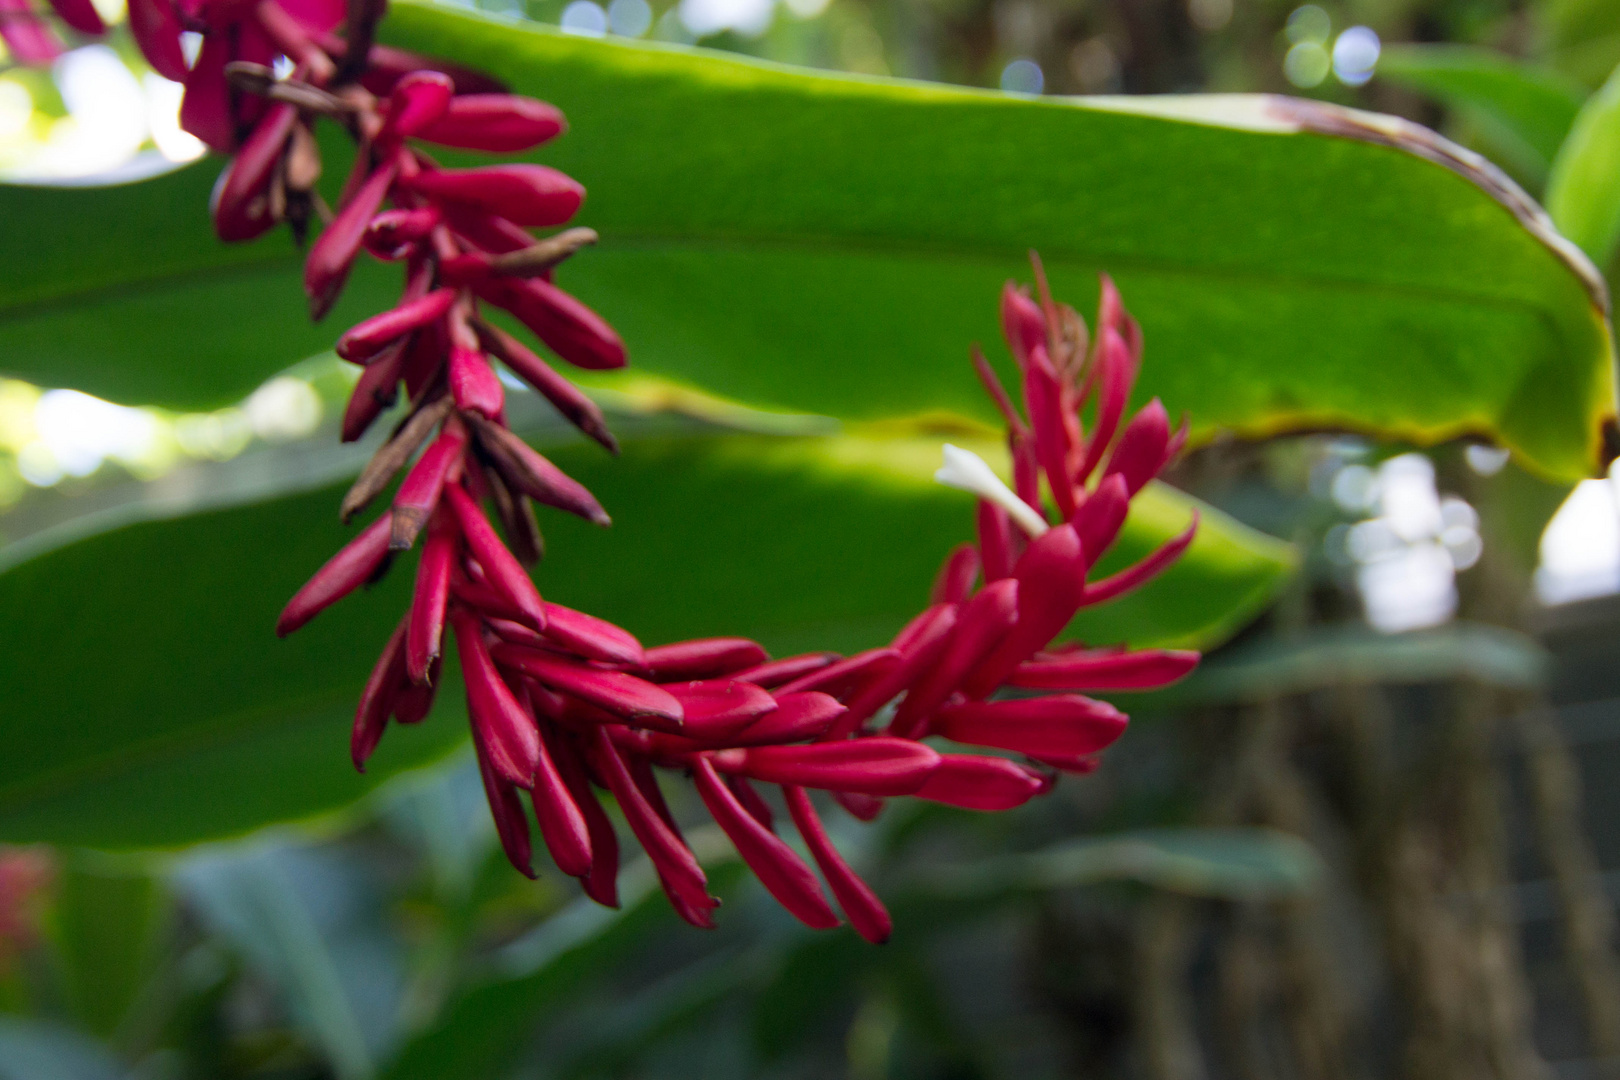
563,703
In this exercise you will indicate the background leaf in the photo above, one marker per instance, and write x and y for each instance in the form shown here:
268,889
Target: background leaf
840,259
1523,110
1583,192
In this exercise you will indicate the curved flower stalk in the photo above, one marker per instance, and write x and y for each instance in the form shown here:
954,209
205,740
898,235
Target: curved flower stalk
30,35
564,705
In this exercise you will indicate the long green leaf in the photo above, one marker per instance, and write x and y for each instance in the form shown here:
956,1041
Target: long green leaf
148,703
1525,111
831,244
1583,192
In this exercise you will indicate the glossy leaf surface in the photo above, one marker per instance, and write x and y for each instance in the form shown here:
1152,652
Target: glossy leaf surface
840,256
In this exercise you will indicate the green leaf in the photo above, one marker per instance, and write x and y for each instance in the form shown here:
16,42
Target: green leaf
832,244
153,706
1357,655
1225,863
104,927
1583,192
1525,111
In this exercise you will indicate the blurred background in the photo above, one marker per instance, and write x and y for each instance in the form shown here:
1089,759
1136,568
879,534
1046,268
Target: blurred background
1372,837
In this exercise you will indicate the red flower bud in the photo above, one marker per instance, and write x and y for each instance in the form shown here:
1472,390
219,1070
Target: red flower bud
155,26
344,572
980,783
506,731
775,673
875,766
429,601
419,101
1146,670
714,708
377,700
864,910
678,870
956,575
419,494
506,575
783,873
240,201
497,123
531,195
796,718
622,695
1057,725
331,256
568,328
365,340
705,658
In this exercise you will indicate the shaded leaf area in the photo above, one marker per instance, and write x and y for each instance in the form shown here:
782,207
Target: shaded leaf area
1359,656
761,988
155,707
1523,111
1583,192
840,259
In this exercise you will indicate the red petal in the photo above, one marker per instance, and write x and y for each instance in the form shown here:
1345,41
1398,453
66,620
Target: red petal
1051,580
995,540
1143,447
1099,520
838,677
922,643
1146,670
783,873
419,101
1022,323
798,717
865,911
703,658
377,700
562,823
81,15
568,399
344,572
531,195
980,783
511,824
205,110
590,637
156,30
678,869
714,708
956,575
1060,725
779,672
474,383
983,623
1135,576
506,730
331,256
240,205
365,340
496,123
428,603
601,883
623,695
419,493
876,766
506,575
568,328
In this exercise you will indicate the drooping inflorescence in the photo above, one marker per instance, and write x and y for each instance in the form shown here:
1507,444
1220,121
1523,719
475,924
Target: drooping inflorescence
564,705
